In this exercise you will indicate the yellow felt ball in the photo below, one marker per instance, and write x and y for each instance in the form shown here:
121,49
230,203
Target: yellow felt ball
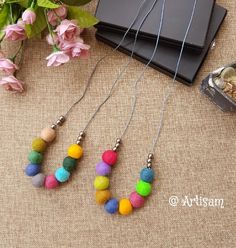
102,196
39,145
125,207
75,151
101,183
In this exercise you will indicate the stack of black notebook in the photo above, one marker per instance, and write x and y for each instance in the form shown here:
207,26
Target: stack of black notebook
116,16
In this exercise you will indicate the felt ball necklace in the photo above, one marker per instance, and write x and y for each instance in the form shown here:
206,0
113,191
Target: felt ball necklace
143,187
75,151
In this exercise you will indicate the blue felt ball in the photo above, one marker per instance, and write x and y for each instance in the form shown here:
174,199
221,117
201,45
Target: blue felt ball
147,175
32,170
112,206
62,175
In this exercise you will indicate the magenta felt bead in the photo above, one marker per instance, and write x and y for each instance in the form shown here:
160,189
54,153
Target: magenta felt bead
51,182
103,169
109,157
136,200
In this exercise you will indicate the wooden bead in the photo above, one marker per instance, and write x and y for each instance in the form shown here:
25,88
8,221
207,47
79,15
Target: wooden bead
75,151
102,196
39,145
125,207
48,134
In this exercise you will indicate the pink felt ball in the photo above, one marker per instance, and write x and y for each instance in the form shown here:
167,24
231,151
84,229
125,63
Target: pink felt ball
51,182
136,200
109,157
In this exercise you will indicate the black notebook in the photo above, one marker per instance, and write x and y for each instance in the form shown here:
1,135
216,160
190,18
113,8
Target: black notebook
166,57
119,14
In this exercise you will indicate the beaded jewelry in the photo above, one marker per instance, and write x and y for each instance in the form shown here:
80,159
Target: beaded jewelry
109,158
75,151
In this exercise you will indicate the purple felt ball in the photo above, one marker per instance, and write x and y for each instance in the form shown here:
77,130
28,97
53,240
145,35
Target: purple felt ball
103,169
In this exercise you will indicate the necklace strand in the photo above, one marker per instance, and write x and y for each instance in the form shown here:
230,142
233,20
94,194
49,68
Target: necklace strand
143,72
123,69
171,87
101,59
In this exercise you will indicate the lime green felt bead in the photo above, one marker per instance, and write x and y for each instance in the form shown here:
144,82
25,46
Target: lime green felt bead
69,163
143,188
101,183
35,157
39,145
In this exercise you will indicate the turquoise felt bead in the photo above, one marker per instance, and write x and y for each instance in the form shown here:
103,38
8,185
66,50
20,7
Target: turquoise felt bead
62,175
147,175
35,157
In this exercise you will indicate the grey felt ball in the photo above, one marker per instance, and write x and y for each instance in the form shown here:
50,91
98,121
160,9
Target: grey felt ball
38,180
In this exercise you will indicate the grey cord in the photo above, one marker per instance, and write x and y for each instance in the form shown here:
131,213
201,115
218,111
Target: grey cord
170,89
143,72
123,69
101,59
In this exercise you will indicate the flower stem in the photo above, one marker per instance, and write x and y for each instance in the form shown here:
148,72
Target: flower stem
17,52
49,26
32,5
2,38
11,14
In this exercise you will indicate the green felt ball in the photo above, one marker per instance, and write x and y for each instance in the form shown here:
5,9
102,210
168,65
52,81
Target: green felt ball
35,157
69,163
143,188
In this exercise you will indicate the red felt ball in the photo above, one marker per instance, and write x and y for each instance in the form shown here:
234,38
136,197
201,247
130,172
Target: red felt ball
109,157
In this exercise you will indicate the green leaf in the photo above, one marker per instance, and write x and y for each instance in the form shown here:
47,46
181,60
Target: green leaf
23,3
84,18
39,25
4,16
76,2
47,4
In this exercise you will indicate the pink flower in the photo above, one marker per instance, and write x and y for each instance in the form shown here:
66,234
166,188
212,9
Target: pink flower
29,16
15,32
68,30
2,54
57,58
7,66
52,39
56,15
12,84
75,49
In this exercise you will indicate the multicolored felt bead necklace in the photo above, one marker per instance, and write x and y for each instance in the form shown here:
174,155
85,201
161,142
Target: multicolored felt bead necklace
39,146
103,195
75,151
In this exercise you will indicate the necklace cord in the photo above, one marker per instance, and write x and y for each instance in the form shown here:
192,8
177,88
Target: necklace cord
171,88
134,102
123,69
101,59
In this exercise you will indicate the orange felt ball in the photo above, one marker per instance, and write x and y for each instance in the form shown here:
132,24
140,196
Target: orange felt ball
125,207
102,196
